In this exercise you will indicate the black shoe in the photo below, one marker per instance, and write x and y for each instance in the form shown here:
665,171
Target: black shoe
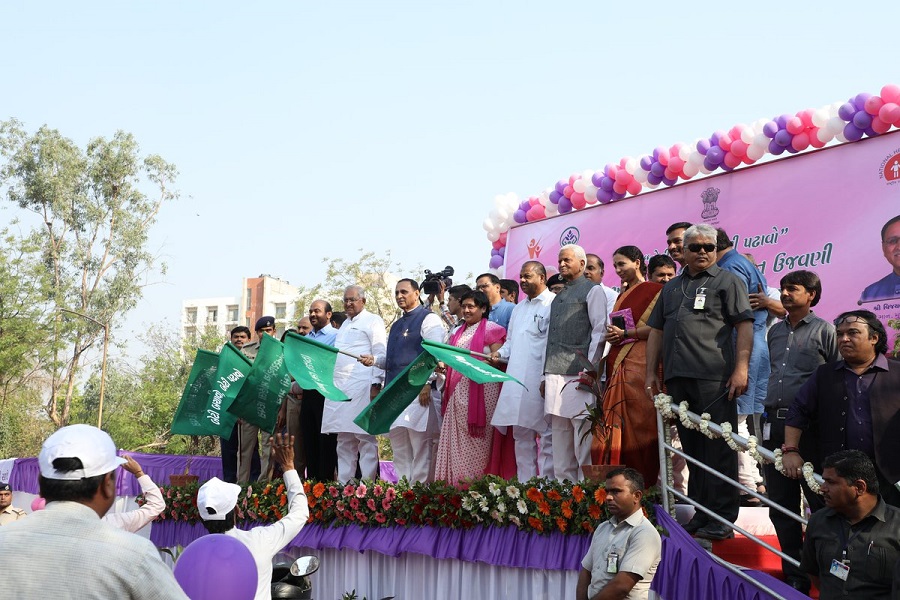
714,531
800,585
694,525
750,501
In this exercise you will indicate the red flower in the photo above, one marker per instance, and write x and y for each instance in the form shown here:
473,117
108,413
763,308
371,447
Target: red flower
318,489
361,517
594,511
567,509
385,503
371,503
535,523
354,503
554,495
600,495
562,524
577,493
543,507
534,494
380,517
409,495
400,521
333,491
456,501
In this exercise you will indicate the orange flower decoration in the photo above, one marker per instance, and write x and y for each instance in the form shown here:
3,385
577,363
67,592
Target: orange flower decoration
543,507
535,523
534,494
567,509
562,524
554,495
277,513
594,511
587,527
318,489
306,487
577,493
600,495
280,489
267,489
282,501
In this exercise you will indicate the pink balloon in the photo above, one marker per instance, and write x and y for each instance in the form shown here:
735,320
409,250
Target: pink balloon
622,162
814,140
568,191
612,171
573,178
725,142
800,141
806,117
577,198
676,164
747,160
891,93
502,238
619,188
873,105
794,125
739,148
540,212
879,126
663,157
731,160
622,176
496,245
38,504
635,187
669,174
889,112
534,200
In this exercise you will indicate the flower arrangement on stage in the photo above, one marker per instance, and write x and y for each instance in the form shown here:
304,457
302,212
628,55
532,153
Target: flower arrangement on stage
538,505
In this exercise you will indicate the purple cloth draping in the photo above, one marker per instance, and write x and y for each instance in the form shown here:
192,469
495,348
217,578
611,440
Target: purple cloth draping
25,471
502,546
687,571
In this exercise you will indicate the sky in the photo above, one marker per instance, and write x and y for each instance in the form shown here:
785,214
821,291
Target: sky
304,131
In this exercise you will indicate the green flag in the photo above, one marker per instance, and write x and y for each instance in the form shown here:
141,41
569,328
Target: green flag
378,416
230,376
311,363
189,416
267,384
462,360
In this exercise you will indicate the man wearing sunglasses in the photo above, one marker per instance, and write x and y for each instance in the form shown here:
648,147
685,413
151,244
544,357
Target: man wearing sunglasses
888,287
692,328
850,404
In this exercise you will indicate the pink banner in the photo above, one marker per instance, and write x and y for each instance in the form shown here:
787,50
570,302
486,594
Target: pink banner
821,211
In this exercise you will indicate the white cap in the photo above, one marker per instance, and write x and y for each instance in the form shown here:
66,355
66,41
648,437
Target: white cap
92,446
216,499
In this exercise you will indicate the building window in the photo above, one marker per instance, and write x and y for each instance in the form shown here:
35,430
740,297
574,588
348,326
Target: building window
212,314
249,298
192,315
232,314
281,310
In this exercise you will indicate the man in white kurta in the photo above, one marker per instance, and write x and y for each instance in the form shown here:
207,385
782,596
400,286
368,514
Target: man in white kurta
362,333
578,318
522,408
413,433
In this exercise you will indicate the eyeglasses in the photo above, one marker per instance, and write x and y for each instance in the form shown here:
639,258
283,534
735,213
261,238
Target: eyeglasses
349,300
891,241
699,247
850,319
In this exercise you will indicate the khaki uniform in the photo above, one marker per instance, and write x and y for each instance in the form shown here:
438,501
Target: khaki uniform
10,514
248,435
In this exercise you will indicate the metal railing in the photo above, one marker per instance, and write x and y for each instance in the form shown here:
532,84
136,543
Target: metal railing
668,493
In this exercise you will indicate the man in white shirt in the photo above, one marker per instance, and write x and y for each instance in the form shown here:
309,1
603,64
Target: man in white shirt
578,316
362,333
518,407
135,520
625,550
594,270
413,432
78,467
216,501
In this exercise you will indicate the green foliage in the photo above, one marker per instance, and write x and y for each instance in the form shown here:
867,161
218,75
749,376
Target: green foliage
90,222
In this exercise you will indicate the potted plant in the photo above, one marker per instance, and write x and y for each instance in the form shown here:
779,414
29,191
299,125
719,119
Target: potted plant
185,478
602,425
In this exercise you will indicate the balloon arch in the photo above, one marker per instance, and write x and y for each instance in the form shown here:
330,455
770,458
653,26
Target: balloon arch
862,115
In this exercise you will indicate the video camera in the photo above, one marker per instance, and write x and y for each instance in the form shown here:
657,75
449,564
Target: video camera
432,282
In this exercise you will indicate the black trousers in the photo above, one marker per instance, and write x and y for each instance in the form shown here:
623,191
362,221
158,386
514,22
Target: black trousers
786,492
230,448
708,396
321,448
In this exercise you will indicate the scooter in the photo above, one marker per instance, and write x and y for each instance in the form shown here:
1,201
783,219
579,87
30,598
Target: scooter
290,581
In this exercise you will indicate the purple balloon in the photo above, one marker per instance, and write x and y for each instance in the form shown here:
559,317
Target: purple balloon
618,196
520,217
770,129
216,567
555,196
775,148
646,163
714,139
607,183
669,182
726,168
783,138
657,169
596,178
852,132
494,252
502,251
654,179
561,185
871,132
860,100
524,205
702,147
846,111
790,149
782,120
715,155
565,205
862,119
496,261
657,151
604,196
710,164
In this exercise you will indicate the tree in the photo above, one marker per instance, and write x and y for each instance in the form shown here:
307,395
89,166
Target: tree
377,275
92,225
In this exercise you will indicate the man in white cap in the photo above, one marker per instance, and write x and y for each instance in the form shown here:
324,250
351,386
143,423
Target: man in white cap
78,467
216,501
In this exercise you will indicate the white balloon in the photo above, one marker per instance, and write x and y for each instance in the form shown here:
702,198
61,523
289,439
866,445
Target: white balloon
493,236
685,151
499,271
819,118
747,135
551,210
755,152
824,135
494,216
499,201
590,193
578,186
704,170
587,174
690,169
652,186
640,175
488,225
840,137
544,200
695,158
835,126
631,165
760,140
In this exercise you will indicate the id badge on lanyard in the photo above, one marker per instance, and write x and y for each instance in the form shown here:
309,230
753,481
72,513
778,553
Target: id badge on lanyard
700,299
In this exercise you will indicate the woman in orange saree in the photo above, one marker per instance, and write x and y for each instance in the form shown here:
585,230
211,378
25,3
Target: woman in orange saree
630,433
